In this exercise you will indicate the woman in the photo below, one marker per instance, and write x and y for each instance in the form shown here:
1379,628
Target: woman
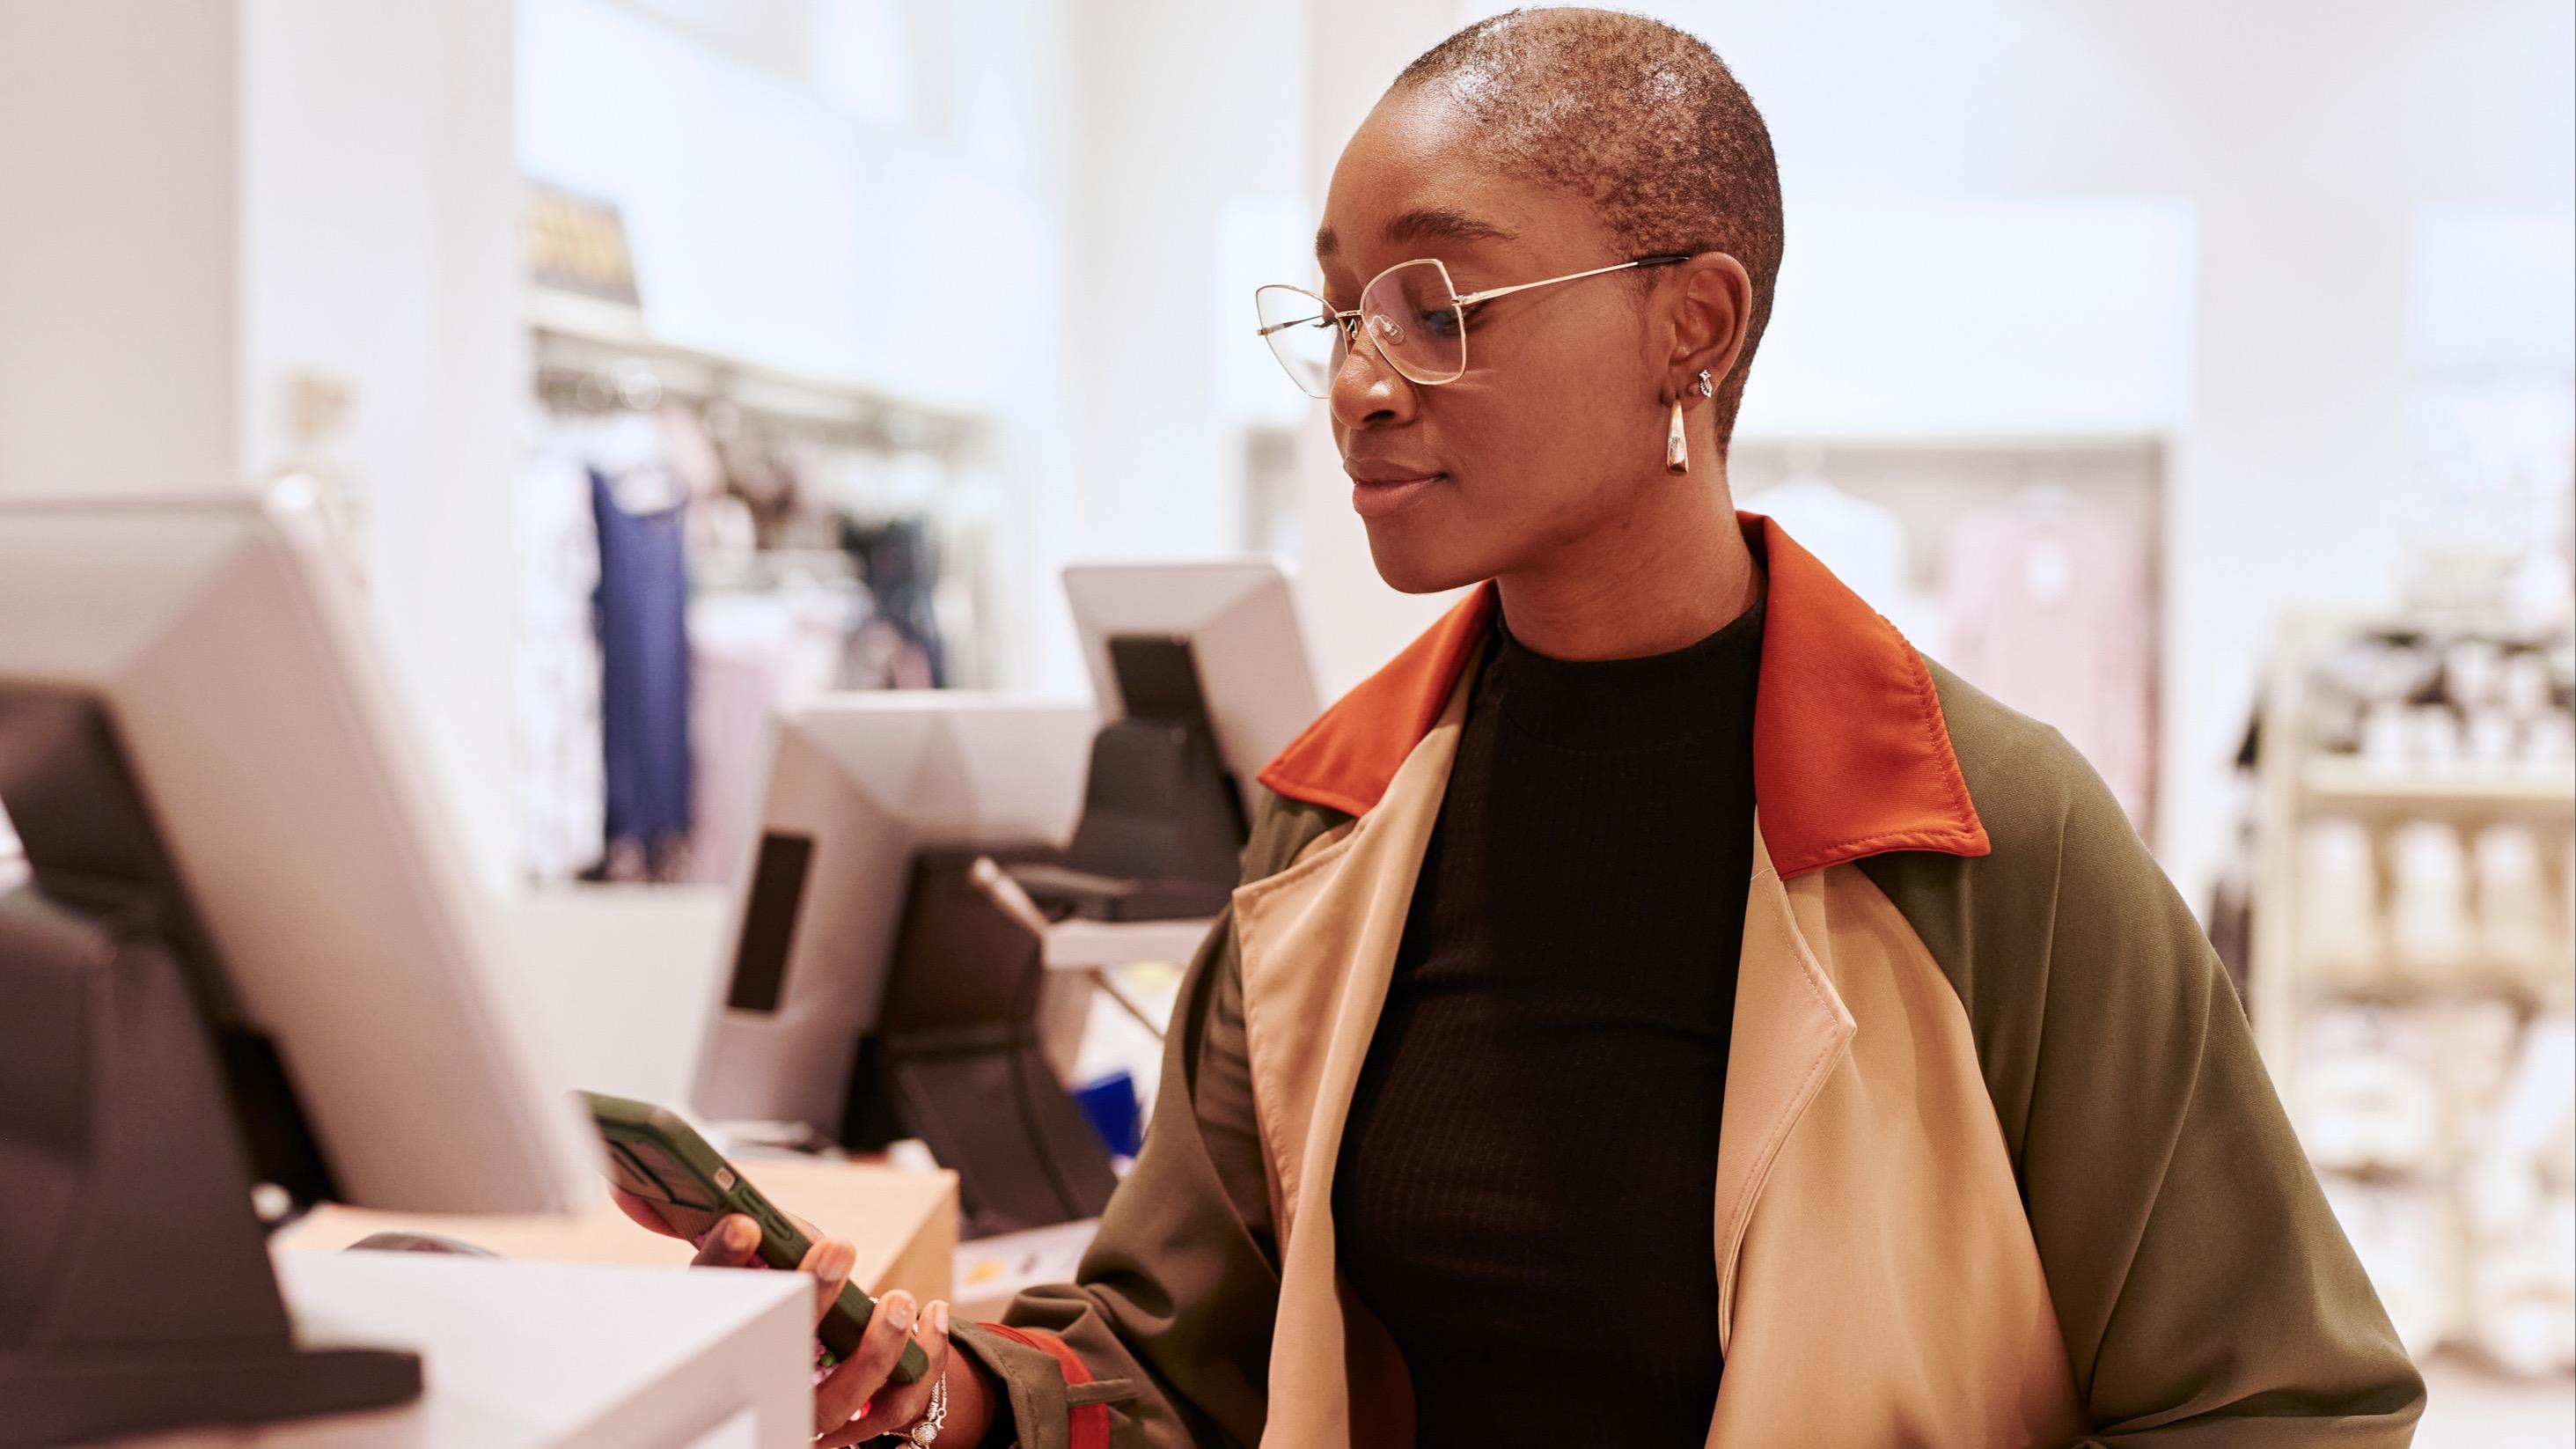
1532,1088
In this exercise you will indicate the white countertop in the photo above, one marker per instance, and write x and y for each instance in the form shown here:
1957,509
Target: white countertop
519,1355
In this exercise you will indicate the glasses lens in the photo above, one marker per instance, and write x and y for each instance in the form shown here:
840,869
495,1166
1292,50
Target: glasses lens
1302,335
1412,315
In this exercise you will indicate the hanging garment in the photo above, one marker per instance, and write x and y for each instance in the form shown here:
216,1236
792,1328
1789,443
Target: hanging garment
1865,546
2050,611
562,804
644,674
730,717
901,570
741,652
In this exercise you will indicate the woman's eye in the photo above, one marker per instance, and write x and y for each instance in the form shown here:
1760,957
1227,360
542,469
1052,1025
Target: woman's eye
1446,322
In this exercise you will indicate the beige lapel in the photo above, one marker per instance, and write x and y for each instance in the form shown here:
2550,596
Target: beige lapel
1318,943
1791,1027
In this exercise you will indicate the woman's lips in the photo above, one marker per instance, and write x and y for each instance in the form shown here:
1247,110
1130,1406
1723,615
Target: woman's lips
1378,497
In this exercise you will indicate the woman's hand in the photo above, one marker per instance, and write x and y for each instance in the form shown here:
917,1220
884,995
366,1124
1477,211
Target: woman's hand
855,1401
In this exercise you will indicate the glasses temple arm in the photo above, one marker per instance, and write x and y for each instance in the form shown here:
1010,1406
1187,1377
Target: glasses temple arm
1491,293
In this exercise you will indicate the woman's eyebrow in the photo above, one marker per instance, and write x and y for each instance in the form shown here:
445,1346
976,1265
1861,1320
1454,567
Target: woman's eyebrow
1426,224
1442,224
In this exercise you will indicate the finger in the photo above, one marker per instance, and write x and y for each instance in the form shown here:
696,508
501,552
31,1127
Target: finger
898,1407
735,1243
642,1211
862,1375
830,1261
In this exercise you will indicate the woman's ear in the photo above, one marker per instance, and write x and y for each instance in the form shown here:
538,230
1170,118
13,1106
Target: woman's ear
1711,301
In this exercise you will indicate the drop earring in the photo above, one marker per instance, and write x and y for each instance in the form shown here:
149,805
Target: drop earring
1676,442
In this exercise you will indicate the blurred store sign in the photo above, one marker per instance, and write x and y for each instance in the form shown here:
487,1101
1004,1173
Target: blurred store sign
576,244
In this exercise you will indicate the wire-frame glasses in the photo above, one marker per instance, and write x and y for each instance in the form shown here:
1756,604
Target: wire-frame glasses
1410,312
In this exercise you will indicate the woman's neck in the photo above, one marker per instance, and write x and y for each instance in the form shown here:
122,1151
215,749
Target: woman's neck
1664,577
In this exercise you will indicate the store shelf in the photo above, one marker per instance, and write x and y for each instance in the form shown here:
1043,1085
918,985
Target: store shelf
2380,1174
2470,981
2351,784
2436,1020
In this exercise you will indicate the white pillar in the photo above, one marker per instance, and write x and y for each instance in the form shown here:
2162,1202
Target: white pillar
208,200
119,247
1181,107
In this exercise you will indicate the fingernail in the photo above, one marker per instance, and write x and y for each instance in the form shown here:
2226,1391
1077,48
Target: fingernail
741,1234
939,1318
898,1306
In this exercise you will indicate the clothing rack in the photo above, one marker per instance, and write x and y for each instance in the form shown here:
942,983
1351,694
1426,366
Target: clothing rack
595,356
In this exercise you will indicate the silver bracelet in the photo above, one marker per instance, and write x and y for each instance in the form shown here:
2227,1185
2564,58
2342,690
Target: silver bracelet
925,1430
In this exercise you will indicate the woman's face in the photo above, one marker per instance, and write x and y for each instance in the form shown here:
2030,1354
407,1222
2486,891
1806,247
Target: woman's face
1559,418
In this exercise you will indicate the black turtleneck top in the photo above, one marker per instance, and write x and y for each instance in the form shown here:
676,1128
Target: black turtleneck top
1527,1183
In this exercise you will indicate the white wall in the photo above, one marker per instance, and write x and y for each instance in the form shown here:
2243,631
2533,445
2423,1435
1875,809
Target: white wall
118,247
1904,316
205,200
1183,112
380,247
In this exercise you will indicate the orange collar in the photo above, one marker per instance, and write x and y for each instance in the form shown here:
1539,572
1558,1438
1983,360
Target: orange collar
1850,754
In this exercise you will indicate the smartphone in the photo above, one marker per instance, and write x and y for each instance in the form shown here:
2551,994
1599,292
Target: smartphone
662,1159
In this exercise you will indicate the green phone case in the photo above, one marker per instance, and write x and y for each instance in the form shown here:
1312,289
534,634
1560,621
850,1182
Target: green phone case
659,1157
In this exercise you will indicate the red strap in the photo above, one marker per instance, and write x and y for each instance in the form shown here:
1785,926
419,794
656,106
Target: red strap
1087,1425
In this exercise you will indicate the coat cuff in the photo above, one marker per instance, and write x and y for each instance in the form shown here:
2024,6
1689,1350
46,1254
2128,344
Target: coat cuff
1037,1370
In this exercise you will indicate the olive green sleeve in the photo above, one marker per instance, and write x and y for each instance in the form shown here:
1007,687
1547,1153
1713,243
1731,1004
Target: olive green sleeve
2206,1294
1170,1314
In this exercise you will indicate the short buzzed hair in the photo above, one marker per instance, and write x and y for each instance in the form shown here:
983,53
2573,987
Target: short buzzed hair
1641,119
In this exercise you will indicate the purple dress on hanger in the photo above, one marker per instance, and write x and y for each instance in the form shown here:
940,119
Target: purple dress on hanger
643,604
